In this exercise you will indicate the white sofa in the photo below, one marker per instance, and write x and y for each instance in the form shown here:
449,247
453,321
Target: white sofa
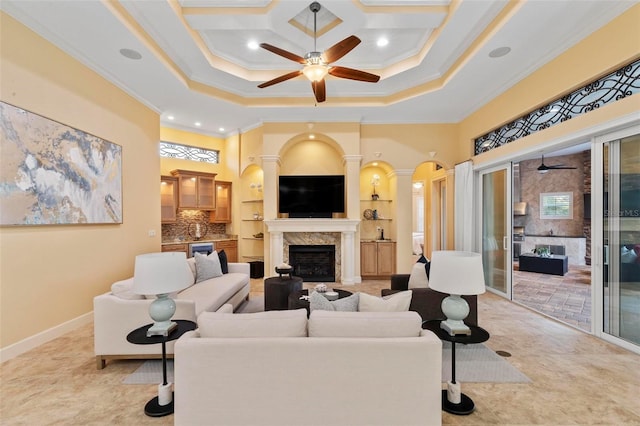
337,368
118,312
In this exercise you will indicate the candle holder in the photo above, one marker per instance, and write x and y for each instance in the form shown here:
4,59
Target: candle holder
197,230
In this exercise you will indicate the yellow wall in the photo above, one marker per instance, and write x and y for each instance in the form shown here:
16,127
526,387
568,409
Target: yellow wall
198,140
614,45
50,274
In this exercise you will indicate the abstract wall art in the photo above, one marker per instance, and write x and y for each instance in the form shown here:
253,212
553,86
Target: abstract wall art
53,174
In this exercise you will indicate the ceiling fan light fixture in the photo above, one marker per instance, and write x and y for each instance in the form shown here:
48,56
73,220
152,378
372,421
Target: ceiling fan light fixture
315,72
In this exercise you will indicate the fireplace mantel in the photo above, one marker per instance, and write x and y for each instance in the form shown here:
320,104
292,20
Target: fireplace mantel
346,227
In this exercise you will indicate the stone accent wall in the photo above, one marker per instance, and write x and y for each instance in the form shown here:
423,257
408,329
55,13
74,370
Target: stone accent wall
533,183
314,238
586,159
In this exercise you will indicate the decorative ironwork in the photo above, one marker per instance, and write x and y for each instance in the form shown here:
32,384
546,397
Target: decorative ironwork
184,152
610,88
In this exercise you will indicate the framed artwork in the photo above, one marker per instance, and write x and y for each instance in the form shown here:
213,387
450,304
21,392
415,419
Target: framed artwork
53,174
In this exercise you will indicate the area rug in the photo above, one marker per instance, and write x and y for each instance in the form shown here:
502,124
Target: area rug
474,363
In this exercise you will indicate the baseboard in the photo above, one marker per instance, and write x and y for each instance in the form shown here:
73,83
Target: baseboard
36,340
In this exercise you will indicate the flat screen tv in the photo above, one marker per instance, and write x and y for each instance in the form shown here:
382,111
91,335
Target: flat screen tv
311,196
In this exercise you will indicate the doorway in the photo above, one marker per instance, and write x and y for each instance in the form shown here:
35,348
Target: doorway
549,216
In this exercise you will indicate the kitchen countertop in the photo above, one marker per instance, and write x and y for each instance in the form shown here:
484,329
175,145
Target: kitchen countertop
204,240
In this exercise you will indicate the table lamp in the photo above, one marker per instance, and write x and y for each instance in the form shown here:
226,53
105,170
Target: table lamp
161,274
456,273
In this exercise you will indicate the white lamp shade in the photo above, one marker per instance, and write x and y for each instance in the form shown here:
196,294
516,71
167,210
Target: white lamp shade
456,272
160,273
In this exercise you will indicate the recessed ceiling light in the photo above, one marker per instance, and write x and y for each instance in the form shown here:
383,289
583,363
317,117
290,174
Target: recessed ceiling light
221,129
375,163
499,52
253,45
312,136
131,54
170,117
198,124
382,42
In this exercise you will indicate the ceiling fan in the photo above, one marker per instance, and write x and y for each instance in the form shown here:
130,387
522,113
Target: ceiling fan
316,64
543,168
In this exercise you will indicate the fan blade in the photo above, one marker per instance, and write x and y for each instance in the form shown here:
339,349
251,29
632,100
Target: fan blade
319,90
352,74
280,79
340,49
558,167
283,53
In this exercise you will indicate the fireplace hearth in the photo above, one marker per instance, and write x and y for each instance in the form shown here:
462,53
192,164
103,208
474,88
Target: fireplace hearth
313,263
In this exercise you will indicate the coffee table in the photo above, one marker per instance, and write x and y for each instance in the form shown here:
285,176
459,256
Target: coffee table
554,264
296,303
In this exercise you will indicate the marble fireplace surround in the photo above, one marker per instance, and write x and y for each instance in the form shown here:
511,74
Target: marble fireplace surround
283,232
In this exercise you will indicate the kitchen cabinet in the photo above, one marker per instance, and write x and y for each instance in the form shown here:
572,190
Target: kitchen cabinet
222,213
230,247
196,190
377,259
175,247
168,199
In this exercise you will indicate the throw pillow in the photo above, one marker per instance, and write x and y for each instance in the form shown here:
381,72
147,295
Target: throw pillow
124,290
224,263
393,303
364,324
207,267
192,265
319,302
291,323
418,277
427,264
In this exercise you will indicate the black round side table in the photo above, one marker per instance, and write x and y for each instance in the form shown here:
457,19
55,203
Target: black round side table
478,335
277,290
139,337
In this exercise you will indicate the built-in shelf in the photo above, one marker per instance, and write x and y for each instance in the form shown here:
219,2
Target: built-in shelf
252,220
254,257
252,238
253,201
377,201
374,220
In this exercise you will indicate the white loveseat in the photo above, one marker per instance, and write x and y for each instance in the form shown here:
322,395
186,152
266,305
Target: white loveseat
119,311
336,368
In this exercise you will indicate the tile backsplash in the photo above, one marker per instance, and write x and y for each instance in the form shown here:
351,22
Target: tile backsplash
187,223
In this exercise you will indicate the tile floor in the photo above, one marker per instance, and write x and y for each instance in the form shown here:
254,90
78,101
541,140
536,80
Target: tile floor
576,378
566,298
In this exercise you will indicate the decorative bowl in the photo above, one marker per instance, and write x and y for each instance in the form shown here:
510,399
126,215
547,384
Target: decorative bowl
331,295
368,214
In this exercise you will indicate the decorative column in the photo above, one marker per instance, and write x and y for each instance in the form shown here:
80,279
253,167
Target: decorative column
348,258
271,170
403,222
276,244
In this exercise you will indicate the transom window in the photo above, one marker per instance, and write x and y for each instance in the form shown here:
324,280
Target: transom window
184,152
556,205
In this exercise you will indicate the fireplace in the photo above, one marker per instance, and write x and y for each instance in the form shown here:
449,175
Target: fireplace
339,232
314,263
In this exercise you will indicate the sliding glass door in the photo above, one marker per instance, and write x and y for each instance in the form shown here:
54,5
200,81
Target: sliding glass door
495,199
620,220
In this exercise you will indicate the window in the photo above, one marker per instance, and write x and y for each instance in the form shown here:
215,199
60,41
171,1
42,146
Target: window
556,205
184,152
